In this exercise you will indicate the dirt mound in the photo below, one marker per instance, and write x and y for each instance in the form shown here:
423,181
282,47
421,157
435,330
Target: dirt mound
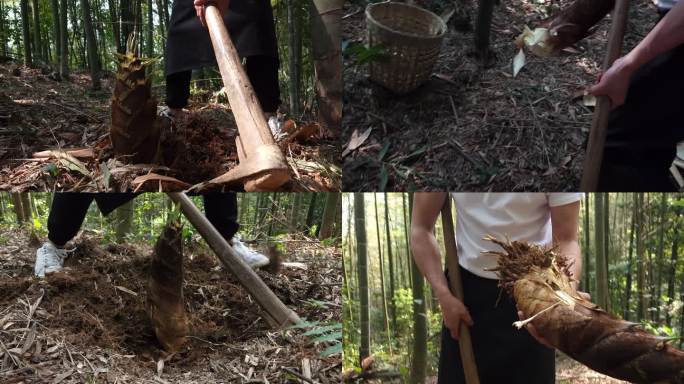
96,308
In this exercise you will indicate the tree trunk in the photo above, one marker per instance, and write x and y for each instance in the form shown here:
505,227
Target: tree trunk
673,272
628,284
587,235
599,236
17,207
331,202
150,30
483,28
27,35
116,27
54,6
311,210
124,220
295,45
37,46
91,43
63,42
3,31
294,212
385,313
660,256
392,309
420,331
274,208
642,307
361,247
326,16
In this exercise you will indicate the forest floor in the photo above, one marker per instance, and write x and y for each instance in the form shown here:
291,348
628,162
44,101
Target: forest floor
474,129
89,324
38,113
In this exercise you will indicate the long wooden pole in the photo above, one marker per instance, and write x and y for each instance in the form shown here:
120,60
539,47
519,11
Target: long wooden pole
597,136
262,164
465,343
277,314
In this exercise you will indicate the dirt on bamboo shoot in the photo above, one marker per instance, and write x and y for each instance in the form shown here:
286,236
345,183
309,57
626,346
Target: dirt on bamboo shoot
539,280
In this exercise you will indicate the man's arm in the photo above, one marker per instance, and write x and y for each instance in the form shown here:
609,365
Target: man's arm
565,224
425,249
668,34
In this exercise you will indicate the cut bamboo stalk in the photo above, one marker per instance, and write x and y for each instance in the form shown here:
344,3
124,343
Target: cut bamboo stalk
465,343
597,136
277,314
262,166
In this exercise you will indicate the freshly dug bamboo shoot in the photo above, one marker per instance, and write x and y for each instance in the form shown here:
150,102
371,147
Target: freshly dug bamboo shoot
540,281
165,304
566,28
134,134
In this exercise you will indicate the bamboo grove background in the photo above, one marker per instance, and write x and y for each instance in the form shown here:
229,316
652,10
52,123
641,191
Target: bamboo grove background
632,264
262,216
75,35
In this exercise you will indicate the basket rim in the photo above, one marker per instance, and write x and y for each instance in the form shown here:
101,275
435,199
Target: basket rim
407,34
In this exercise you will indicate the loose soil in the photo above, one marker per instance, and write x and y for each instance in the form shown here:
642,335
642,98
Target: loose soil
38,113
88,324
472,128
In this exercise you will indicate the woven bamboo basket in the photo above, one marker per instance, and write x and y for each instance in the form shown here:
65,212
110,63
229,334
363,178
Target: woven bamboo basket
411,38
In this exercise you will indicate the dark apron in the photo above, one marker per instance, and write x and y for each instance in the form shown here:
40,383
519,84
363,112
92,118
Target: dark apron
250,25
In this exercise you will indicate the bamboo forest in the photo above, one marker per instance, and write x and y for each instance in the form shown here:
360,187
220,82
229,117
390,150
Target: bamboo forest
149,266
632,266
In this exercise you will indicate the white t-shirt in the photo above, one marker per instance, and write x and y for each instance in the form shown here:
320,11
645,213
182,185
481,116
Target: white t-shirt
520,216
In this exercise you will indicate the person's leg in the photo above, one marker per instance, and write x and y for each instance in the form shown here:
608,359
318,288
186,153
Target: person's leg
221,210
66,217
178,90
263,74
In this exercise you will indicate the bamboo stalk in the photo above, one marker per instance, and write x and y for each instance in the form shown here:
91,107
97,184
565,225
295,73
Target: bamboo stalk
465,344
597,135
277,314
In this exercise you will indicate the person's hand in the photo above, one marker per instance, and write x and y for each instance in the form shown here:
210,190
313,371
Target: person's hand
222,6
614,82
453,312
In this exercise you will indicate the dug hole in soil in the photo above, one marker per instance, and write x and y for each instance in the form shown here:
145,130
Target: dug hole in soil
89,324
38,113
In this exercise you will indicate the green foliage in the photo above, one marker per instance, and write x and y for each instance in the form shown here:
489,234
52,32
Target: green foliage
328,333
362,54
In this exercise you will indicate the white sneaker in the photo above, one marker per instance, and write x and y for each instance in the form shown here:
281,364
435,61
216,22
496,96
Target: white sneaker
253,258
49,259
276,125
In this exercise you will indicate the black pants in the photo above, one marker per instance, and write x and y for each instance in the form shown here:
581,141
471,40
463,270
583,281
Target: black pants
261,70
644,131
69,210
503,354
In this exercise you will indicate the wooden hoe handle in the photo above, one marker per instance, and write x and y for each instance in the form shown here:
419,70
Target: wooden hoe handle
465,343
262,165
597,136
277,314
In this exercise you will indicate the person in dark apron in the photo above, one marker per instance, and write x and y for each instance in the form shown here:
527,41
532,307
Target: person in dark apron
646,87
68,212
251,27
